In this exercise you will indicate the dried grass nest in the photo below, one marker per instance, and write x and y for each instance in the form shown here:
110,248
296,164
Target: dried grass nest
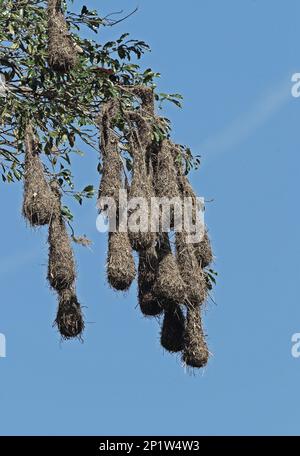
150,305
62,55
111,181
38,201
141,187
169,285
195,352
61,266
173,330
69,319
120,262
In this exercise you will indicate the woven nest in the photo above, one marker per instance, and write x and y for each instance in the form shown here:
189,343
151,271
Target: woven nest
165,178
120,262
111,175
38,202
69,319
61,267
169,285
166,181
191,273
173,330
203,251
62,55
195,352
190,269
141,187
148,263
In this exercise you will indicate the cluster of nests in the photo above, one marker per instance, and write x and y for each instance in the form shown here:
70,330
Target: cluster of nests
42,206
172,282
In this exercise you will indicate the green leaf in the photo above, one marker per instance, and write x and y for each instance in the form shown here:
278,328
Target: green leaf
88,189
65,211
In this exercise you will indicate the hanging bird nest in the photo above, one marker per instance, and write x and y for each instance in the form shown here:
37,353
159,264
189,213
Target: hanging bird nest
148,263
173,330
120,262
61,267
69,319
111,180
166,180
62,54
203,249
38,202
191,273
195,352
184,185
190,269
141,187
169,286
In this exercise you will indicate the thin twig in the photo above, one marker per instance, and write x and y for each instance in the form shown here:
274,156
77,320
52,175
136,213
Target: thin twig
123,18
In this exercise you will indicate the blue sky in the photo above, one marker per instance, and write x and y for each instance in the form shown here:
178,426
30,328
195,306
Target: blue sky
233,62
